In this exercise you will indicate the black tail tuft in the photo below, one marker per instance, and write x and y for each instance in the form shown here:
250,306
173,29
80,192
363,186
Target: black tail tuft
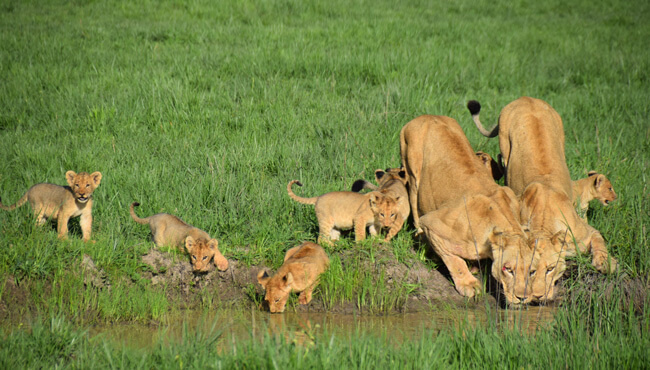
358,185
474,107
298,183
136,204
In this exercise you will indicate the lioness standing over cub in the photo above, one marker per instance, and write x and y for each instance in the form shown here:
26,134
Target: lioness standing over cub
342,210
299,273
168,229
63,202
531,140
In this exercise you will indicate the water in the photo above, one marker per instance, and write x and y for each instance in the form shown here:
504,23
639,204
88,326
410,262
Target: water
303,327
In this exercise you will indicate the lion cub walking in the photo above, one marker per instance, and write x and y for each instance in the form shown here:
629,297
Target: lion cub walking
393,181
343,210
168,229
63,202
299,273
594,186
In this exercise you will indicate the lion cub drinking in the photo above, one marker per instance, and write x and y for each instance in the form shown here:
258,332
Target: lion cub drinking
63,202
342,210
168,229
299,273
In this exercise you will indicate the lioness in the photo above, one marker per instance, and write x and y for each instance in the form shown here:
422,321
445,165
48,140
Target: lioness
170,230
466,214
393,181
531,139
594,186
299,273
63,202
493,167
342,210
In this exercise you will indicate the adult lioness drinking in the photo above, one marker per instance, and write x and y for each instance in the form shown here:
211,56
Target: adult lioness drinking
466,214
531,139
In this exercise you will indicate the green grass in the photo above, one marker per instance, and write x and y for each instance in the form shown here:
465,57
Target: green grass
207,109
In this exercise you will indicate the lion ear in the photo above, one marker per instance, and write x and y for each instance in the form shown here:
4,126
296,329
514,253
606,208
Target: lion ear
213,244
599,180
591,173
263,278
189,244
97,177
494,235
69,176
402,173
289,279
379,174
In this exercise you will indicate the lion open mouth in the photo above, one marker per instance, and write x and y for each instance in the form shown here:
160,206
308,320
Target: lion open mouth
82,199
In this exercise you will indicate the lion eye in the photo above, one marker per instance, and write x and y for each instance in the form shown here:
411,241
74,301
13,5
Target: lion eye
507,269
549,269
532,272
76,185
193,257
87,185
277,300
204,257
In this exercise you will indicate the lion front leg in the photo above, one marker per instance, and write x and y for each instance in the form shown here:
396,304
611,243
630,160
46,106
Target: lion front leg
601,259
305,295
397,226
62,226
86,223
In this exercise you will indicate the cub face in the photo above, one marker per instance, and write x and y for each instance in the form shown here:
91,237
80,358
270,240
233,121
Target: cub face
277,289
384,208
604,189
83,184
202,252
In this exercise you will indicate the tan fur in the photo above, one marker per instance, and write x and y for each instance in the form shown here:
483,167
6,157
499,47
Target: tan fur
169,230
63,202
393,181
531,139
302,266
494,168
594,186
342,210
466,214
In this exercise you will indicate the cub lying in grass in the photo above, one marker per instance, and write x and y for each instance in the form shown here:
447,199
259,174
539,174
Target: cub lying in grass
594,186
63,202
342,210
393,182
299,273
167,229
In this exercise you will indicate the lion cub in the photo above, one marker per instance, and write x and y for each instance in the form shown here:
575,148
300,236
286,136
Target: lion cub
299,273
168,229
594,186
63,202
342,210
393,181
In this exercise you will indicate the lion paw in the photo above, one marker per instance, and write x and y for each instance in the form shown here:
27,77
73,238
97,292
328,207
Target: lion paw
469,289
604,263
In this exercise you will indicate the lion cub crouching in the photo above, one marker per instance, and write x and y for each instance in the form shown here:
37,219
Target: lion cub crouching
63,202
343,210
168,229
299,273
594,186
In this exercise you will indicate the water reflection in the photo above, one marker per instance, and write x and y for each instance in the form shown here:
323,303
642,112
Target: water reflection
303,328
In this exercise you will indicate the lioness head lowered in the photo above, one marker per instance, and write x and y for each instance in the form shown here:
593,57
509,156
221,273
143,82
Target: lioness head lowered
514,266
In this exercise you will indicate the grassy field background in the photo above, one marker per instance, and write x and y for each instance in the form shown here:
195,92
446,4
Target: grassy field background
207,109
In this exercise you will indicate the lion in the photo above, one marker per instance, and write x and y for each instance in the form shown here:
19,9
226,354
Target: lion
342,210
63,202
467,216
302,266
170,230
393,181
494,168
594,186
531,140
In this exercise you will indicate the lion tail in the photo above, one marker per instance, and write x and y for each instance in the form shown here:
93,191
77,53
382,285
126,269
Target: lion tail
474,109
19,203
359,185
143,221
297,198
